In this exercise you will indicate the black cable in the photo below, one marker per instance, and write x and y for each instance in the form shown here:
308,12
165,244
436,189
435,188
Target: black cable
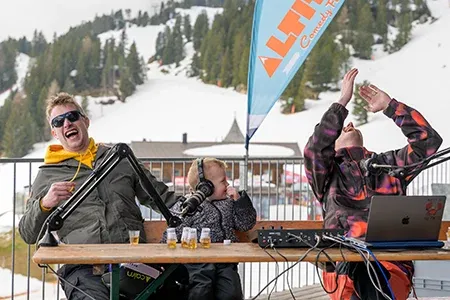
62,279
346,275
317,269
277,269
287,277
293,265
36,246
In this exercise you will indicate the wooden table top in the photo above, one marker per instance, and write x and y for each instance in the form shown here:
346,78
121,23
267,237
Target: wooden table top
218,253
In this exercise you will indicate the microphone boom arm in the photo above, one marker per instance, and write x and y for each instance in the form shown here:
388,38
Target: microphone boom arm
55,220
416,168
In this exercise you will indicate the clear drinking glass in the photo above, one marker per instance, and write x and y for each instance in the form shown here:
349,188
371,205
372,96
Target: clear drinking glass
193,238
205,238
185,237
134,236
171,238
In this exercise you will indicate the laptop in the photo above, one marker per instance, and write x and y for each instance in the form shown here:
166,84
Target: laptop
405,222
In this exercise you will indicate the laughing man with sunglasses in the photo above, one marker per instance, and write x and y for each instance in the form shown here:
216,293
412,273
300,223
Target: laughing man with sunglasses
105,216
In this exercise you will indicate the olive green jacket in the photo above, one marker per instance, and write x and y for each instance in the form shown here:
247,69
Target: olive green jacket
107,213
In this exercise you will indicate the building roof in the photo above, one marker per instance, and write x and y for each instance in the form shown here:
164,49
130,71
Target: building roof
235,134
150,149
158,149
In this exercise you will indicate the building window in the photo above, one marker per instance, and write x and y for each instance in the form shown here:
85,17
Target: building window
156,172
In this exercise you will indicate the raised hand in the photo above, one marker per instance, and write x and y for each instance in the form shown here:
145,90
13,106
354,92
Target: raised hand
232,193
347,86
59,191
377,100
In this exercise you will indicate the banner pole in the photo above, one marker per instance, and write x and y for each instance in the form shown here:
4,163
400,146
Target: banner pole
246,169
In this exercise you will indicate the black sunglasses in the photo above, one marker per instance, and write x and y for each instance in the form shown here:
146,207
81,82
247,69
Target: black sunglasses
72,116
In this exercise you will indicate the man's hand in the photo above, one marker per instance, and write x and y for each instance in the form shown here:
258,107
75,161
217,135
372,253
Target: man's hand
59,191
347,87
376,99
232,193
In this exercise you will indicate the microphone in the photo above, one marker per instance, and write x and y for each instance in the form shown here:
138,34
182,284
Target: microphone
191,205
370,166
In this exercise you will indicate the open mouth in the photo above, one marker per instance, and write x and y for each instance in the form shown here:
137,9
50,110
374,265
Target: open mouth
71,134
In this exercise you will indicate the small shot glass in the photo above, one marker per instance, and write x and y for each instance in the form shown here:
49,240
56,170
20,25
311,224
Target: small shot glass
185,237
134,236
171,238
205,238
192,243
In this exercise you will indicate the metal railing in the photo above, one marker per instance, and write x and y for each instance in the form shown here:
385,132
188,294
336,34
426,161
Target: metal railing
277,187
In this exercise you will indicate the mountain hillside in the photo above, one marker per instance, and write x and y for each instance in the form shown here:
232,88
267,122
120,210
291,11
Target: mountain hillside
167,105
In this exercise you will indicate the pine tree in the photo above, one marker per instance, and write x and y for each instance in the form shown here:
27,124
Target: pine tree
353,10
159,45
41,118
94,67
126,86
226,73
119,20
364,39
108,67
177,38
134,65
187,28
404,26
212,54
145,19
7,66
85,105
322,68
359,111
39,44
195,66
243,66
304,92
19,129
201,27
238,48
120,51
69,86
24,46
138,21
178,49
80,78
5,111
342,22
169,51
381,21
289,104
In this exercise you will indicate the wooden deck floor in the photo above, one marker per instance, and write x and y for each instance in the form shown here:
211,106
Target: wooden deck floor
315,292
310,292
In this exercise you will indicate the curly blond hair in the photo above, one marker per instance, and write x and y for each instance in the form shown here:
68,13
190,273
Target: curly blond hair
208,162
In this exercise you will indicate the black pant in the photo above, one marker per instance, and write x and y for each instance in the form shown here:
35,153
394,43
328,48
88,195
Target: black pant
357,271
214,282
82,277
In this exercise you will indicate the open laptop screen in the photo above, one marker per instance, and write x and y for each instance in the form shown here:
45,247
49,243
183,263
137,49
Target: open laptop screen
405,218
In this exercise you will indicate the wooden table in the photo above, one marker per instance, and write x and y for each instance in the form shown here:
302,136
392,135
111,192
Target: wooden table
218,253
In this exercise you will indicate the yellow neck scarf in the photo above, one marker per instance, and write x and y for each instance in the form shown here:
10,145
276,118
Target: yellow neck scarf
56,154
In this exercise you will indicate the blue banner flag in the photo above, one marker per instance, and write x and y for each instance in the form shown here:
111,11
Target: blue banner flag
284,32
